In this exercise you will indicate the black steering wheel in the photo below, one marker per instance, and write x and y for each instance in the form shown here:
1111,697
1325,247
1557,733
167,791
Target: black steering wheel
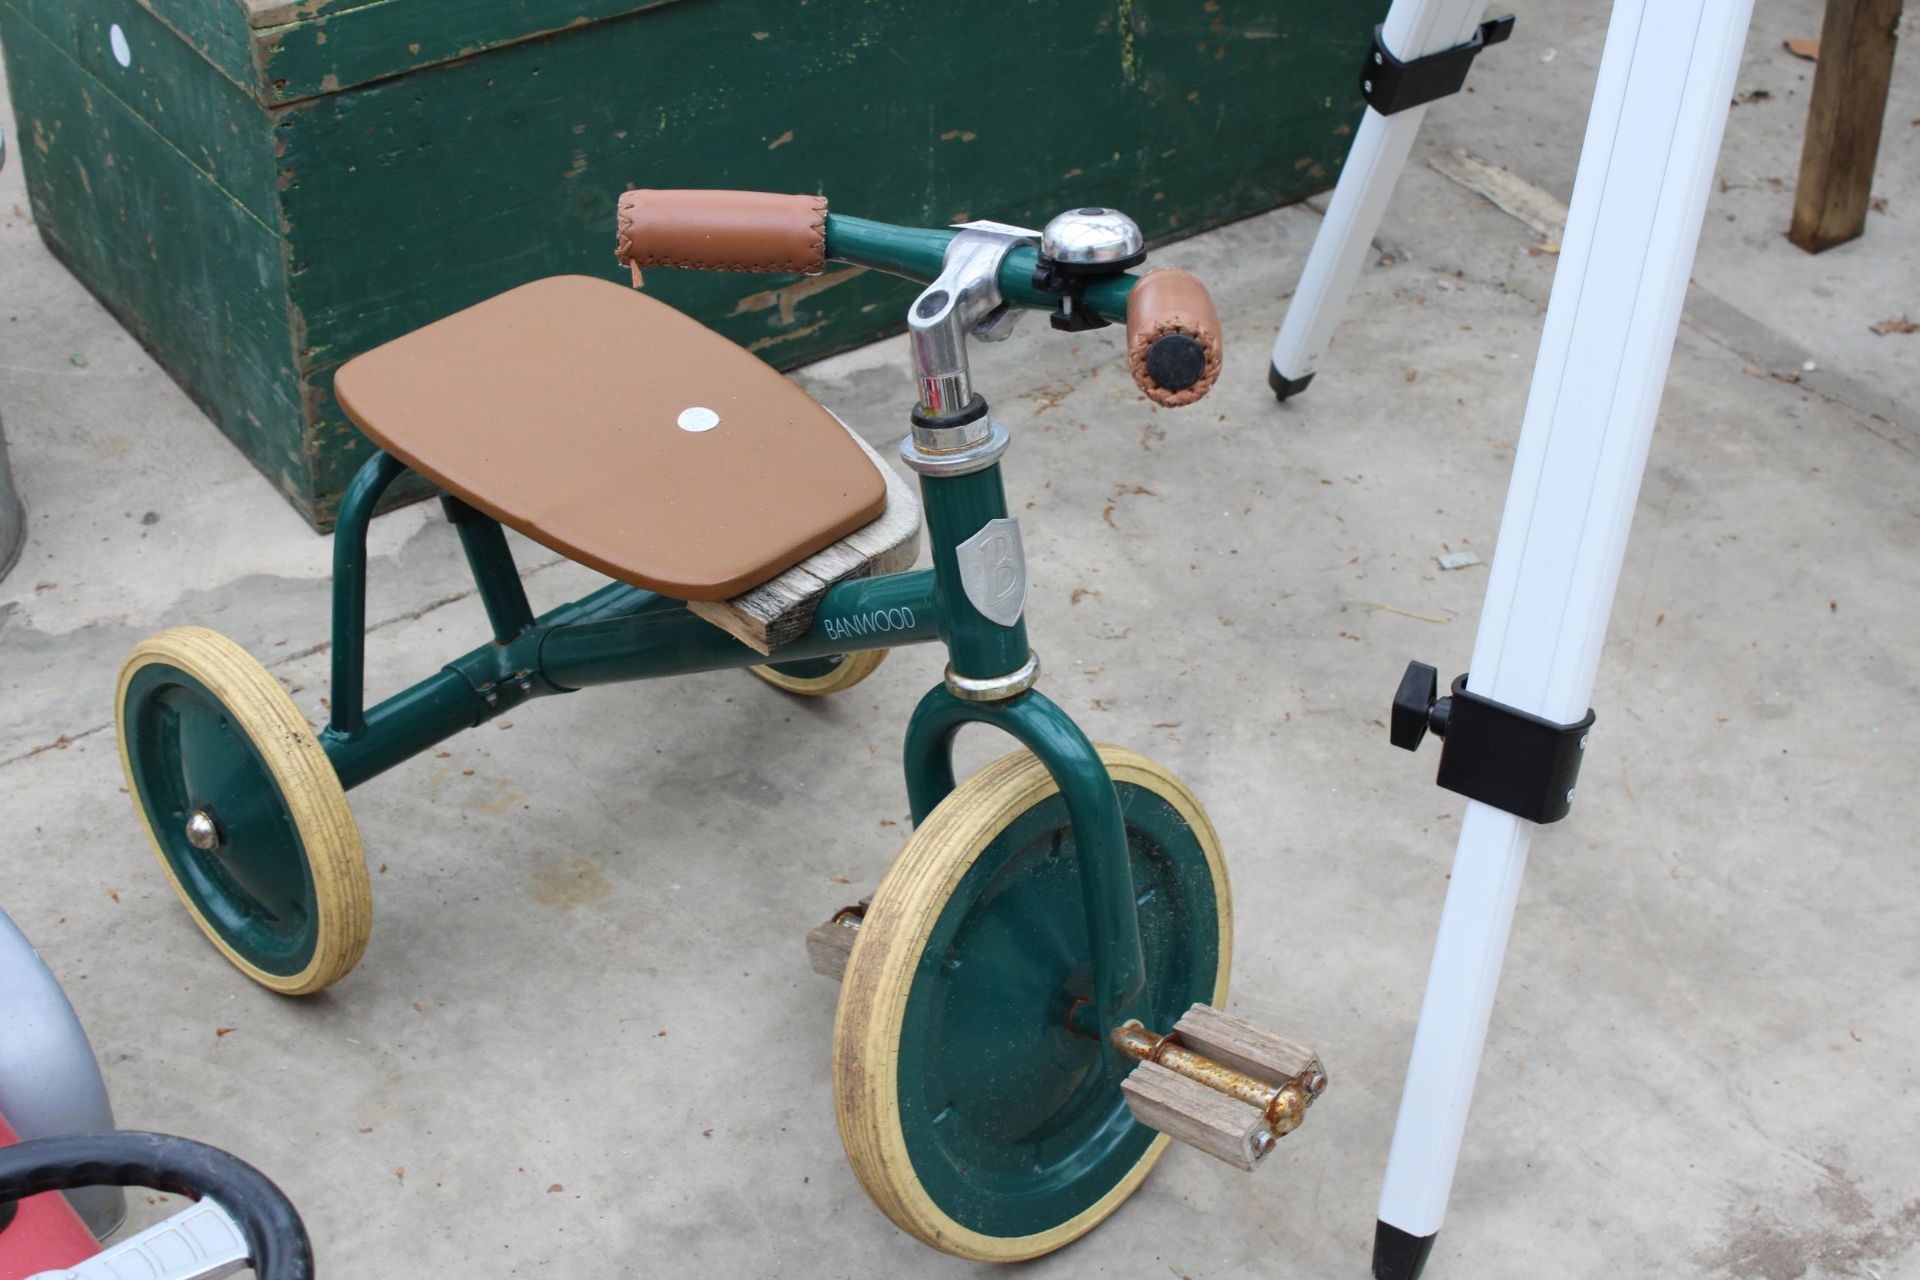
275,1237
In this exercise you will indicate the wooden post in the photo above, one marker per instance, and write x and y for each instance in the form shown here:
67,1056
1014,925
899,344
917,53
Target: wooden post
1843,123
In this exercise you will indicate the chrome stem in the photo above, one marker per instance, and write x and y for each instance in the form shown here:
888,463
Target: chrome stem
964,300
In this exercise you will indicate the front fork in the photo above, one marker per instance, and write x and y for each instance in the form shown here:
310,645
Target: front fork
988,681
1100,837
980,578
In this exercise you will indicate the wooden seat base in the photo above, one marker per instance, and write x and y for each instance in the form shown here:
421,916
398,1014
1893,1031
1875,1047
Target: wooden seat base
780,610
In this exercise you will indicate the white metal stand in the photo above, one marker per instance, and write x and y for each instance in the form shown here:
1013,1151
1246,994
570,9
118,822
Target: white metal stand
1413,29
1659,112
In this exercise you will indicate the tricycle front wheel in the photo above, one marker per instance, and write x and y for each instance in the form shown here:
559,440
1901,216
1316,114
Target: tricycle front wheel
244,810
971,1114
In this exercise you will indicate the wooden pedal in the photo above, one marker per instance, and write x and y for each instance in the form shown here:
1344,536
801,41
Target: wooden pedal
1245,1047
1223,1127
1195,1102
829,946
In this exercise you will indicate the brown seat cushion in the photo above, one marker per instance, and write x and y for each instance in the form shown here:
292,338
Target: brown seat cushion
565,409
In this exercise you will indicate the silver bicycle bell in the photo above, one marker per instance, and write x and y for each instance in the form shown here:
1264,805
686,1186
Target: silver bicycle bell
1093,240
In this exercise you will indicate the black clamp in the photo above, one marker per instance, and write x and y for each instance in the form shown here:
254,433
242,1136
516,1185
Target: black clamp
1494,753
1390,85
1067,281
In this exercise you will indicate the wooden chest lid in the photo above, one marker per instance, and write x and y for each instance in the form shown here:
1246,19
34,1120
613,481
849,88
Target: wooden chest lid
282,51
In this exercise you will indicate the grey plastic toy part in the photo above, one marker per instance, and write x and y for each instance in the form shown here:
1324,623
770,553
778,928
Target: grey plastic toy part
201,1242
13,517
50,1084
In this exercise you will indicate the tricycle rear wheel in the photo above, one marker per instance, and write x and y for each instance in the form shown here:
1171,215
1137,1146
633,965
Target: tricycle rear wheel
244,811
817,677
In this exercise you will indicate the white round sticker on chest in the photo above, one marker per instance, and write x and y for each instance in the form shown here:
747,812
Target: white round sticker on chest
698,419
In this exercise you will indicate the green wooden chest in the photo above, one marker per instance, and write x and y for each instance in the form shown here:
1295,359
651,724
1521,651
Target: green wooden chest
261,189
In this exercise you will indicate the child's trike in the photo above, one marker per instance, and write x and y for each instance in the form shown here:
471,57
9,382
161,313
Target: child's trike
1026,997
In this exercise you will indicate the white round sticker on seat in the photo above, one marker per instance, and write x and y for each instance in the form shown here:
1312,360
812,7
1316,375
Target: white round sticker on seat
698,419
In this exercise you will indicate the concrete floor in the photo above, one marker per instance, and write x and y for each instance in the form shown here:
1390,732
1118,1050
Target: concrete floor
584,1040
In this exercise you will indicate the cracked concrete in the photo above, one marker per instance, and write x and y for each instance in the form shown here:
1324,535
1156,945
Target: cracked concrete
589,915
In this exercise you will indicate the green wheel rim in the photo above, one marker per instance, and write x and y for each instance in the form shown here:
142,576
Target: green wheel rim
187,753
1013,1124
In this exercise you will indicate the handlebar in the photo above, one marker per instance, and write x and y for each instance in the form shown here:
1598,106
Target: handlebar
916,253
1173,330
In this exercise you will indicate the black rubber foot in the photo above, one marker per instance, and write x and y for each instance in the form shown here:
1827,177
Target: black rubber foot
1284,387
1397,1255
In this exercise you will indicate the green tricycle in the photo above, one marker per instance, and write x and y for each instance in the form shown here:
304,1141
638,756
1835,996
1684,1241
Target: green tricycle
1030,999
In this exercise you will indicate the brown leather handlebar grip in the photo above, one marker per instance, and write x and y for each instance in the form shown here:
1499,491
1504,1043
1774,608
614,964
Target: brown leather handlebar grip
1173,338
722,231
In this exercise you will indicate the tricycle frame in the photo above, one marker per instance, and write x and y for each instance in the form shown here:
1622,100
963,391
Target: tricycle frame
622,632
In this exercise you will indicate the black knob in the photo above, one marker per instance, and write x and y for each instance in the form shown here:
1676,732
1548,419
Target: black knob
1412,705
1176,361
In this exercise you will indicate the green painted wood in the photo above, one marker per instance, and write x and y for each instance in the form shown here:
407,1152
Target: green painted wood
422,191
217,29
341,46
281,51
215,125
183,265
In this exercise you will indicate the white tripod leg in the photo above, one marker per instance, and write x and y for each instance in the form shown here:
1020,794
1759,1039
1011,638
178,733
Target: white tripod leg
1660,109
1413,29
